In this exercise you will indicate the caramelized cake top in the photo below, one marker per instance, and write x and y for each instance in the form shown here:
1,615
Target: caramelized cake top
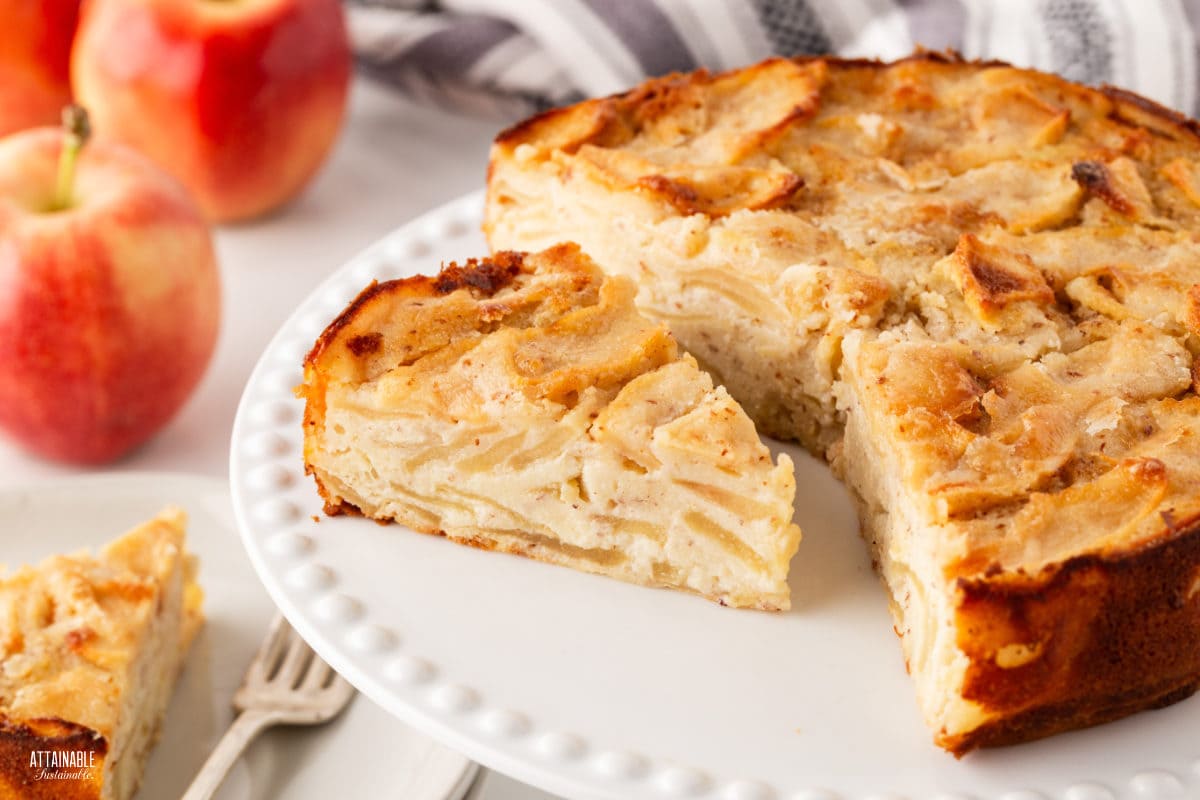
1014,258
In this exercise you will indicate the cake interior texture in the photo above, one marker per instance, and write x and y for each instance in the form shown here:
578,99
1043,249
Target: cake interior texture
90,648
975,291
523,404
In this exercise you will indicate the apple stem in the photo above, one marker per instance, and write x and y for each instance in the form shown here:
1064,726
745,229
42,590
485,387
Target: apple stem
77,129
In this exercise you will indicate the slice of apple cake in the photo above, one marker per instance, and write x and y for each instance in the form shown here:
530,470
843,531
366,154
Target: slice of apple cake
521,403
90,647
976,290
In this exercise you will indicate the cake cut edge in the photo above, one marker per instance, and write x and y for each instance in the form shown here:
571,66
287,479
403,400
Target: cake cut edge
484,279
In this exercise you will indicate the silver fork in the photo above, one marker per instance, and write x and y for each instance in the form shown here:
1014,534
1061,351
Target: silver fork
285,684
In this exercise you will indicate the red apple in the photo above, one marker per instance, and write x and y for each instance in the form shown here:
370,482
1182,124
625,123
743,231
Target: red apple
35,54
109,297
239,99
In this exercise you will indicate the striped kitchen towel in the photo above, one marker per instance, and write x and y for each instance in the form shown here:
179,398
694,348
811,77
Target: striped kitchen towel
507,58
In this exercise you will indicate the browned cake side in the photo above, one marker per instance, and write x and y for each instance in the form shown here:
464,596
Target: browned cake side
1137,645
20,781
358,330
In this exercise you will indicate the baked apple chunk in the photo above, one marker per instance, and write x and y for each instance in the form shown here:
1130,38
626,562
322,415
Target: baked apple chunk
521,403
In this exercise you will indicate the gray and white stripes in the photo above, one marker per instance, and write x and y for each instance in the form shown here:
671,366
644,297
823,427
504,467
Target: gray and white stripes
506,58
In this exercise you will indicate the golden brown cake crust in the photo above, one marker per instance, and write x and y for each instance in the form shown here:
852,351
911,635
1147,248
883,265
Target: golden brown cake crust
363,338
1135,641
19,780
1021,255
1128,106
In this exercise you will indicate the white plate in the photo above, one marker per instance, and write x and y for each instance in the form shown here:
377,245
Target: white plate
592,688
365,753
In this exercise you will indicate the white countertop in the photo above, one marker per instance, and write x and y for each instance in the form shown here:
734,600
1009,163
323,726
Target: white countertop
394,161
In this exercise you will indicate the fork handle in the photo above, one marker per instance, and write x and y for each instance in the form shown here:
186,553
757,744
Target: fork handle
247,725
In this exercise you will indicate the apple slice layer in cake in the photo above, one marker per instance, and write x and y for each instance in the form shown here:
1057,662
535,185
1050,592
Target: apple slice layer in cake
521,403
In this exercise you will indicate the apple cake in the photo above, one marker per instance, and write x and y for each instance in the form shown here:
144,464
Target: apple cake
521,403
90,648
975,290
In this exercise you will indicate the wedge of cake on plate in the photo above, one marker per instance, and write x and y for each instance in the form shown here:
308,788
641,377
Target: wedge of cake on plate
976,290
90,647
521,403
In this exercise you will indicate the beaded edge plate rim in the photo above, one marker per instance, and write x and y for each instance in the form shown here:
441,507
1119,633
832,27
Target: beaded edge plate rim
265,460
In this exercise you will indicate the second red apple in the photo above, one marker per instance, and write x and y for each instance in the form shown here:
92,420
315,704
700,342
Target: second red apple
240,99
